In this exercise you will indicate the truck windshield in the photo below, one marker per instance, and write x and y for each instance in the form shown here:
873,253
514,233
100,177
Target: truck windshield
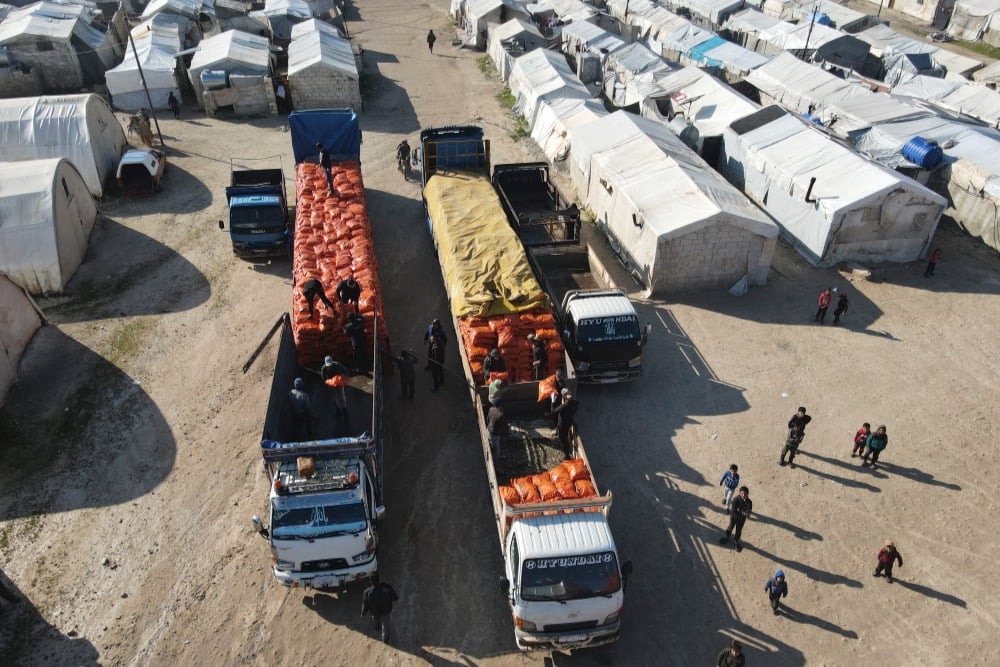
318,521
247,219
571,577
608,329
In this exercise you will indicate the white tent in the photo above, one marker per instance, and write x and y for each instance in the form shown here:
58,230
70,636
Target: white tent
961,97
46,215
813,41
976,20
81,128
631,74
476,18
679,224
651,20
833,204
800,86
542,74
851,117
18,323
282,16
582,36
557,119
710,13
188,8
573,11
989,75
956,63
232,52
512,40
156,42
322,72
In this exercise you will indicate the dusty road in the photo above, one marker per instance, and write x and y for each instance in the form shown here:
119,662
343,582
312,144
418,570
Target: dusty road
131,442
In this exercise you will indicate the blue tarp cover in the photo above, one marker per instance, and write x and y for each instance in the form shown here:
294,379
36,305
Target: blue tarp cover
698,53
337,129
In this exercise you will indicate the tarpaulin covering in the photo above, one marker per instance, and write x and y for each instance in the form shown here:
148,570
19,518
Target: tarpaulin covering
555,121
800,86
705,101
967,98
341,138
156,42
485,269
512,39
975,20
542,74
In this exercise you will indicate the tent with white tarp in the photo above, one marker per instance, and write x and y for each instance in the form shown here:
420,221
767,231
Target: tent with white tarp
800,86
322,72
652,21
81,128
542,74
573,11
843,18
46,216
581,36
188,8
989,75
679,225
899,68
976,21
810,41
961,97
512,40
557,119
282,16
698,107
832,204
156,42
709,13
477,18
849,118
756,31
956,63
18,322
631,74
232,52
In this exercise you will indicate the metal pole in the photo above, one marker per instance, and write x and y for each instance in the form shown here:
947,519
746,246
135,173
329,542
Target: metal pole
142,76
879,15
811,23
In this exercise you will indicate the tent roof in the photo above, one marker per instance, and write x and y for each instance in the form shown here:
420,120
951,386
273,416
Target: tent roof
957,63
314,25
710,9
729,56
709,104
543,70
233,46
864,111
638,59
978,7
53,20
756,23
796,84
189,8
295,8
573,10
477,8
675,190
962,97
591,36
514,27
321,47
882,37
989,74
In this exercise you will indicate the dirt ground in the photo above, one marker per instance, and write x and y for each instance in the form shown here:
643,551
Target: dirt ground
131,440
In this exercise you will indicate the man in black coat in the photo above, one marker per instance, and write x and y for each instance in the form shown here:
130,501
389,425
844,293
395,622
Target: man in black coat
312,289
741,509
349,291
564,413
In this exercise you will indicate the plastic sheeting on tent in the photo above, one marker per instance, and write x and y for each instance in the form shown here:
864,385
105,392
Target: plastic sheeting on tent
584,36
965,98
156,42
542,74
857,210
652,20
322,71
573,11
707,103
956,63
850,117
631,74
233,52
475,18
989,75
800,86
557,119
18,323
188,8
485,269
976,20
81,128
512,40
711,12
46,215
898,68
282,16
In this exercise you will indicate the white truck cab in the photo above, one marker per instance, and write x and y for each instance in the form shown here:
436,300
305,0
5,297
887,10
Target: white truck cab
603,335
564,582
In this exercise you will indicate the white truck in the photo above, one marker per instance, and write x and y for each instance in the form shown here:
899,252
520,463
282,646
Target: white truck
325,498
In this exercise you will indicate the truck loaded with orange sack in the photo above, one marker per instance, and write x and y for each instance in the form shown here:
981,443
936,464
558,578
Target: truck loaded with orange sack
324,464
563,579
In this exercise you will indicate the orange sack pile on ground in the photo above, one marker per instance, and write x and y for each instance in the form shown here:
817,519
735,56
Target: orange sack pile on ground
567,481
509,334
333,241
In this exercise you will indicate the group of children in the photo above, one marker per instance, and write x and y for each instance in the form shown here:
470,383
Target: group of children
867,444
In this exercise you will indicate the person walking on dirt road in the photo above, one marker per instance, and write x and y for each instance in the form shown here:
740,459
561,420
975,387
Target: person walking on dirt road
887,557
791,447
776,588
431,38
876,442
841,308
861,439
738,515
824,302
800,419
730,482
376,602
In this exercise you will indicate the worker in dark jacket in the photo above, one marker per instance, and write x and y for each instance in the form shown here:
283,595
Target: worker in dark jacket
312,289
377,601
493,363
301,408
330,370
740,511
497,427
355,330
434,331
732,655
323,156
349,291
406,362
800,419
539,358
776,588
564,413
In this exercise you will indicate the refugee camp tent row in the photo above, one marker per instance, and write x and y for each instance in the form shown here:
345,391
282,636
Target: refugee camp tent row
512,40
81,128
678,224
697,107
59,46
961,97
322,71
976,21
800,86
709,14
233,69
830,13
833,205
156,42
588,45
886,45
281,16
46,216
475,18
631,74
930,12
18,323
539,75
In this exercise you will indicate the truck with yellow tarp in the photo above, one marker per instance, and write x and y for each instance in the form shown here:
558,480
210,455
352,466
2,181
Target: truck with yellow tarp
563,578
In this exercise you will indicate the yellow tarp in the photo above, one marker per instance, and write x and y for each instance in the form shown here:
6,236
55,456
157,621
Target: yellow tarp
486,271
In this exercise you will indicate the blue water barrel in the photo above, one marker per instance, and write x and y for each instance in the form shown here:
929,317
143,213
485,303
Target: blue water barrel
816,120
921,152
820,18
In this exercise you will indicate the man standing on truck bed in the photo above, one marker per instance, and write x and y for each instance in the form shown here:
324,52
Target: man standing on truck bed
301,407
539,358
326,164
349,291
564,413
355,330
312,289
330,370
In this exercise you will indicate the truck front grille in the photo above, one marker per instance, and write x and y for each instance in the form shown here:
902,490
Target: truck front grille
570,627
323,565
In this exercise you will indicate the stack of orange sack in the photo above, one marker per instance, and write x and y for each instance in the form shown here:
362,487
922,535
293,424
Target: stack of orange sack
509,334
567,481
333,241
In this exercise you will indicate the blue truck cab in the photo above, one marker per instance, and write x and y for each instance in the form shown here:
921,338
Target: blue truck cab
258,213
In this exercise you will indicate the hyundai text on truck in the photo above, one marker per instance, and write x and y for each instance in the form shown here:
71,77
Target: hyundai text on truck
562,577
599,326
258,213
325,484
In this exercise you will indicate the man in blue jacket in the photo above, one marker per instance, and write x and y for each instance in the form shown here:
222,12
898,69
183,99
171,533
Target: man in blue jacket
776,588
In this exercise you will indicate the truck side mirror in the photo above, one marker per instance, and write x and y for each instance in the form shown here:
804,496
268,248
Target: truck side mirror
565,335
626,573
222,225
380,512
646,332
257,526
504,585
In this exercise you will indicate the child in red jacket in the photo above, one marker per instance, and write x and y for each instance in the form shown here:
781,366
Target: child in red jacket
860,438
887,557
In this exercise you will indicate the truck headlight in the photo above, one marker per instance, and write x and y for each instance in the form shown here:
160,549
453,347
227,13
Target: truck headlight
284,564
583,366
364,555
522,624
612,617
635,363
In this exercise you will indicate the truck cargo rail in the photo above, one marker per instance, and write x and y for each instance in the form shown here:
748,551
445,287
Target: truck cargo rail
363,445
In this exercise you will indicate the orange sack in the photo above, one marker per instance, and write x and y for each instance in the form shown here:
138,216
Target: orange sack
339,381
567,489
526,489
547,388
577,469
585,488
559,473
510,495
